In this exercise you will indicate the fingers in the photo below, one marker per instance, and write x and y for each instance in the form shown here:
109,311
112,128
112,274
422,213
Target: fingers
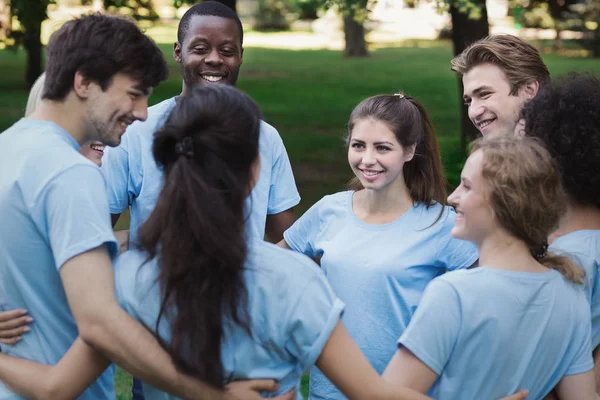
521,395
268,385
291,395
12,314
10,325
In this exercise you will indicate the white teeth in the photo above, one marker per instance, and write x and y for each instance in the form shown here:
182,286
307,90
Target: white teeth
370,173
212,78
485,123
97,147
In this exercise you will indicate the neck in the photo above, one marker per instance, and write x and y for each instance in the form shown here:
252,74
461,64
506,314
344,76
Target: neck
382,206
63,114
578,218
503,251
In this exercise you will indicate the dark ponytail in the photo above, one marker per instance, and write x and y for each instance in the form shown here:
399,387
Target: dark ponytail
206,148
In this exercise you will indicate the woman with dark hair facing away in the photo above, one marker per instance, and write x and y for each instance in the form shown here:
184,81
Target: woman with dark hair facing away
384,240
226,307
521,318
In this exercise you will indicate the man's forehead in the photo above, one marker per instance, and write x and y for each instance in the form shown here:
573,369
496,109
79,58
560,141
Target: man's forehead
484,75
202,26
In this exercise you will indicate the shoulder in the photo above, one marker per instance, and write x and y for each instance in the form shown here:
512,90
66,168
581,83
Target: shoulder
132,270
157,116
436,216
277,269
334,204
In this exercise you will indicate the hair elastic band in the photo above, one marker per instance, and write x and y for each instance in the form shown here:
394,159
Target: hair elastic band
185,147
540,252
400,95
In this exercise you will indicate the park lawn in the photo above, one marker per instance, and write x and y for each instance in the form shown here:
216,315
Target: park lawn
308,96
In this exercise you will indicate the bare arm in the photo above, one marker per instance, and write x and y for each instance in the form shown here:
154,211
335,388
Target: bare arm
406,369
123,240
88,282
347,368
79,368
577,387
278,223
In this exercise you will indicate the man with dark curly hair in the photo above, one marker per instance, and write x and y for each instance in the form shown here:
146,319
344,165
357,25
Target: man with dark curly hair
566,117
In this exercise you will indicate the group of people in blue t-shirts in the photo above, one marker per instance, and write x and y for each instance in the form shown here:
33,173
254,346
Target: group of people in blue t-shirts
392,289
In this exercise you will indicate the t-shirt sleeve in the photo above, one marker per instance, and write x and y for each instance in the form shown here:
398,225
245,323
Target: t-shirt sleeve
456,253
120,172
312,320
283,193
301,236
582,341
433,330
75,213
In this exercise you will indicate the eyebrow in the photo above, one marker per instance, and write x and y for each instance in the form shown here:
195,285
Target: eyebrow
376,143
142,89
477,91
197,40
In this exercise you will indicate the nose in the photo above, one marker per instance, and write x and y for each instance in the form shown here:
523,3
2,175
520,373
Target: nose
368,157
213,58
140,108
476,109
453,198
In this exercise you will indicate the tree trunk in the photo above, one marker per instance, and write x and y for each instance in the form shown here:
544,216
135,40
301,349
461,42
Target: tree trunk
229,3
33,46
465,31
354,35
557,39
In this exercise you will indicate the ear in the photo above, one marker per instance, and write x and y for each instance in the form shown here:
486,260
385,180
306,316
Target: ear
81,85
410,152
177,52
530,89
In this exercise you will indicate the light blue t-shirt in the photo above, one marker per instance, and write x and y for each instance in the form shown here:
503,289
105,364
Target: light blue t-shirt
379,271
489,332
293,312
52,208
134,179
584,248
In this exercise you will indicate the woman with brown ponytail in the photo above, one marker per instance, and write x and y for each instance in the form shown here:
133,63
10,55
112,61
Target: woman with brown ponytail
520,320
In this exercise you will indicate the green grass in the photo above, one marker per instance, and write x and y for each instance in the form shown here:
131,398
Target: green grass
308,96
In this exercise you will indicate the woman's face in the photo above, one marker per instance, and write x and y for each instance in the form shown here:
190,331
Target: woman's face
93,151
375,155
474,215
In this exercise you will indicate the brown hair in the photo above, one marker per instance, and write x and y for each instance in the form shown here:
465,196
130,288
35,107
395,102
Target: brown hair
407,118
520,61
526,195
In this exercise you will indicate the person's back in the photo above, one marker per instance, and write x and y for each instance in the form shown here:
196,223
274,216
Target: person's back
286,294
583,247
38,159
505,322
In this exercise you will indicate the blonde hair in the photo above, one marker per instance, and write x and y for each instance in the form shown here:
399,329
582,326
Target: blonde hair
526,195
520,61
35,94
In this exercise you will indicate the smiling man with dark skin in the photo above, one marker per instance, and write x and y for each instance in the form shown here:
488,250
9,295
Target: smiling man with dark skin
209,50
